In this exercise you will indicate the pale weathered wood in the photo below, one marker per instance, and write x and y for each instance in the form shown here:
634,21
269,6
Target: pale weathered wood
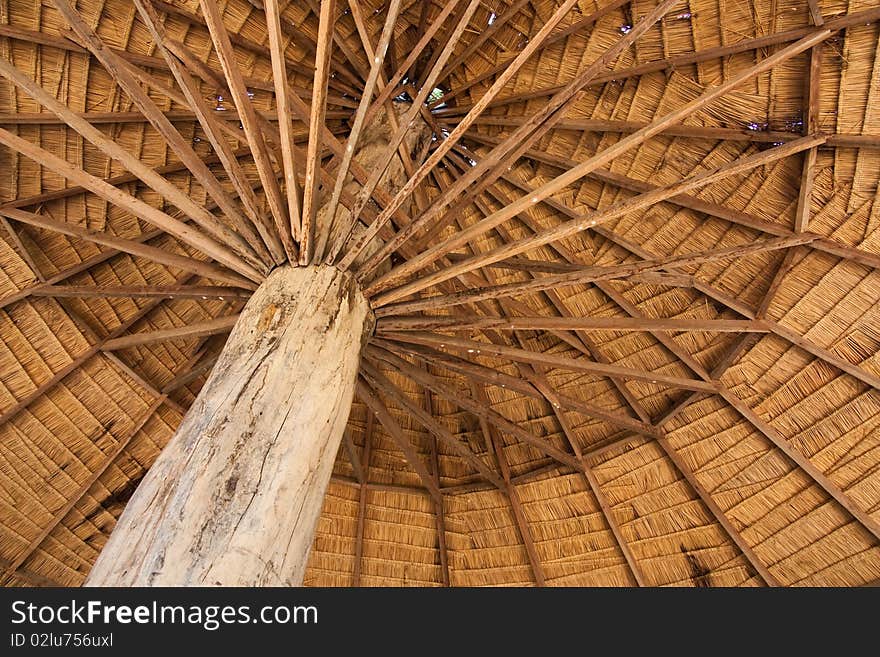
235,496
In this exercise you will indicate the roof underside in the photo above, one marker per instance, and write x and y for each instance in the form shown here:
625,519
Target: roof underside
690,393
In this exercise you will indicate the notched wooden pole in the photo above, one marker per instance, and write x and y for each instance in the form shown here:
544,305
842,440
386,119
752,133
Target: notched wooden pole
235,496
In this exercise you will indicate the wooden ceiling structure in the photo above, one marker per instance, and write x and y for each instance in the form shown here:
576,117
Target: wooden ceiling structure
629,331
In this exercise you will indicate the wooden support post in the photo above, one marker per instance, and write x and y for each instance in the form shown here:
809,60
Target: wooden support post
235,496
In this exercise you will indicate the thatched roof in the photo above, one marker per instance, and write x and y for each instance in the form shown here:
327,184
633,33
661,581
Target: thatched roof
680,250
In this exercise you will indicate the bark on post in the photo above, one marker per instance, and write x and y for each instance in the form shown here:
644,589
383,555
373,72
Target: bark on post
235,496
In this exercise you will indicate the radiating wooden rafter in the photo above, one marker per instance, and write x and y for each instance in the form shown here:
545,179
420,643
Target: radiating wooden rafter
473,273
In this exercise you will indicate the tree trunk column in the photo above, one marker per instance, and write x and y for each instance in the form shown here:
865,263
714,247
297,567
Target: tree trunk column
234,497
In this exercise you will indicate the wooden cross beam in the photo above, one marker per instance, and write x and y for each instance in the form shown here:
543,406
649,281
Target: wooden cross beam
197,329
848,140
568,228
373,79
144,291
439,513
542,323
561,362
581,341
811,125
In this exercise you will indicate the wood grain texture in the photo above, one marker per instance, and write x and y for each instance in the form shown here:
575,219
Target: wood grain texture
235,496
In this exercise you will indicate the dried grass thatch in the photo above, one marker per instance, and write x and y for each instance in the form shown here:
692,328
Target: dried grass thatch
772,476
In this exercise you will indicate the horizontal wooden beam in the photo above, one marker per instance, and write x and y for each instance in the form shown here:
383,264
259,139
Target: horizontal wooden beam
844,140
478,322
115,181
40,38
677,62
199,329
131,291
203,366
175,116
589,274
670,279
548,360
